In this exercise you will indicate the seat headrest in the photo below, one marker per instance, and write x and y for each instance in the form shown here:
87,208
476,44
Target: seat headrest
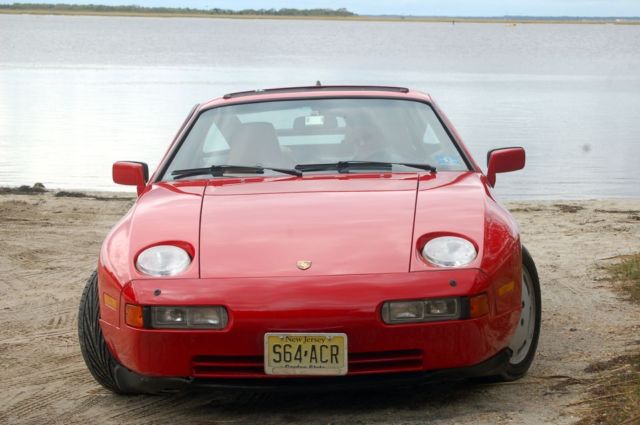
256,143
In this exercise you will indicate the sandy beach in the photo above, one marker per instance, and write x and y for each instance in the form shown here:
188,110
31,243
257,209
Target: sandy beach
49,245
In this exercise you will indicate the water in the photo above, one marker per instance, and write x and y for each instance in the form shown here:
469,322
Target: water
77,93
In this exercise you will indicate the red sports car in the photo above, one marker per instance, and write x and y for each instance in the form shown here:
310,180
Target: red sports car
312,236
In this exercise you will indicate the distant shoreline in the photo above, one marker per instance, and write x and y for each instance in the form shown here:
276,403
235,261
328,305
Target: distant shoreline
444,19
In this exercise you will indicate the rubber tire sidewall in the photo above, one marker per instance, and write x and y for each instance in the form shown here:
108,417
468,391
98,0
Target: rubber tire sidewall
94,350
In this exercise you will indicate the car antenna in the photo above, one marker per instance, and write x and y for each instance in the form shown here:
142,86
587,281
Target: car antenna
318,83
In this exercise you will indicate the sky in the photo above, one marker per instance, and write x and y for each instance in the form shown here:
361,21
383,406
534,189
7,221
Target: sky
619,8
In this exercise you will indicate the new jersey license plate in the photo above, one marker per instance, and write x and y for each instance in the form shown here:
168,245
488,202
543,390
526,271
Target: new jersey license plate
305,354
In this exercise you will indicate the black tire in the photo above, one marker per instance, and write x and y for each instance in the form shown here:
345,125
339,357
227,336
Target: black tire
516,371
94,350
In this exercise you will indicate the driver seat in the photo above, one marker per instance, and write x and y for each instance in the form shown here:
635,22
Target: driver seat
256,144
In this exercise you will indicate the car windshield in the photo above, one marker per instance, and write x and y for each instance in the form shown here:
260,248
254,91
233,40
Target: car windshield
286,134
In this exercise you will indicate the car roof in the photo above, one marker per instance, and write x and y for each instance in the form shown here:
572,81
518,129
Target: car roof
317,91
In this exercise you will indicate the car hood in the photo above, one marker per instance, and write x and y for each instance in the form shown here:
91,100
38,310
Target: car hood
334,225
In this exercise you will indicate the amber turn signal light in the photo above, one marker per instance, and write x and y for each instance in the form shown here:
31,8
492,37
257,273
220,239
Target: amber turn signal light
134,316
478,306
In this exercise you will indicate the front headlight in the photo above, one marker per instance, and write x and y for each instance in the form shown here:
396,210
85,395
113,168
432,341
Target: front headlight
449,251
429,310
214,317
163,260
176,317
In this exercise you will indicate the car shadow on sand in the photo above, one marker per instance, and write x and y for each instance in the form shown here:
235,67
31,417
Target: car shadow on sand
428,401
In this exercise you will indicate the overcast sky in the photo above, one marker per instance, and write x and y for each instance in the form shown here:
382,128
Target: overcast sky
411,7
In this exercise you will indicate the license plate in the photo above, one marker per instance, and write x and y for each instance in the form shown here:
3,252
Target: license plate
305,354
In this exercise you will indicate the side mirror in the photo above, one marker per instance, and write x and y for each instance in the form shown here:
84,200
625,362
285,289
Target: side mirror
131,173
504,160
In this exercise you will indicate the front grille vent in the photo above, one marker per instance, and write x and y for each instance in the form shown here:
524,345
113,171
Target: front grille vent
359,364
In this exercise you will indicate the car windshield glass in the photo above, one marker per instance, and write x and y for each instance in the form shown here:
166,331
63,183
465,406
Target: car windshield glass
283,134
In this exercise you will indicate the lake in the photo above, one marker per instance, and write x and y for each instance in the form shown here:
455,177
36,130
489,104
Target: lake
78,93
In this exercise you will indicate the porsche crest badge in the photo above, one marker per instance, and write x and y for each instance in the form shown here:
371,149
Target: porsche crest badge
303,264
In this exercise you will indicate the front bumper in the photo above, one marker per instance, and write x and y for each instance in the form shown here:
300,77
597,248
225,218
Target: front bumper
136,383
336,304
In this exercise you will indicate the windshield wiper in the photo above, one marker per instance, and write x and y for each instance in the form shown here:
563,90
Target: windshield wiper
221,170
346,166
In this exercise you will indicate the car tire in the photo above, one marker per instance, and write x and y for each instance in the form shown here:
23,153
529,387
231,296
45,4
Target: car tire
94,350
519,363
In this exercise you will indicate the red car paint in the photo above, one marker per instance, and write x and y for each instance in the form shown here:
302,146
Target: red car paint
364,233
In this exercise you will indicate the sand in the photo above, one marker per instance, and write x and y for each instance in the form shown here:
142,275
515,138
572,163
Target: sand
49,246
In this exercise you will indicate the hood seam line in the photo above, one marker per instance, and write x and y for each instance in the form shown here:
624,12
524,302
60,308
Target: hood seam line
204,190
413,224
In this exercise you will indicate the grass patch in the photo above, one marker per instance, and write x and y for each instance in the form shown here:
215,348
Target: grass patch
565,208
615,397
71,194
627,272
23,190
68,194
617,211
526,209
